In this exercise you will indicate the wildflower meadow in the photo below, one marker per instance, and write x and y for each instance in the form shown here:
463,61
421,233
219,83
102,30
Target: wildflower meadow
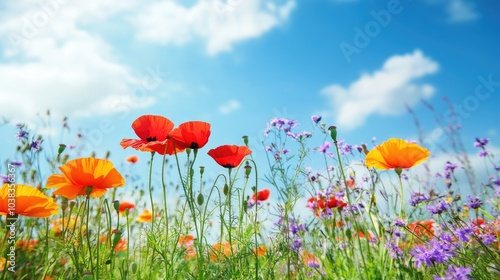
339,210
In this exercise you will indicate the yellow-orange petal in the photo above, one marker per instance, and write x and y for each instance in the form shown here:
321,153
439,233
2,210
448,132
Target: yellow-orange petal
396,153
78,174
29,202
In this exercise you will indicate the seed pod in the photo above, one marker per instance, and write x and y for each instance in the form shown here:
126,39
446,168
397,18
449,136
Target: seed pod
200,199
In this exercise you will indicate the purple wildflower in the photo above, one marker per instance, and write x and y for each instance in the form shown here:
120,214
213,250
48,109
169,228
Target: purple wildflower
316,119
417,197
481,143
438,208
399,222
296,245
483,153
473,202
431,253
17,163
455,273
250,203
496,181
21,134
464,234
450,166
394,251
4,178
36,145
487,239
324,147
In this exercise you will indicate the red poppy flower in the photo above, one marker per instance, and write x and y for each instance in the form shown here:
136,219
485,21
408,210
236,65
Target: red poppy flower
229,156
152,131
320,204
124,205
132,159
193,135
261,195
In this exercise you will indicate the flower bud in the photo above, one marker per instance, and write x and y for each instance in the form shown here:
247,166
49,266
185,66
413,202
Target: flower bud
116,205
117,234
248,170
61,149
245,140
333,133
202,170
225,189
200,199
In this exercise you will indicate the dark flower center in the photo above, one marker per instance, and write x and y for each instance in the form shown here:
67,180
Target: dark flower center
151,139
228,166
194,145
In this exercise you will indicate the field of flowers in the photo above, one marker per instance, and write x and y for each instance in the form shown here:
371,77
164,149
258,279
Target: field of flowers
357,212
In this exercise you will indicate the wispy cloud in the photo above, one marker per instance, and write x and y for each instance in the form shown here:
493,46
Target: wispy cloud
461,11
229,107
384,92
220,24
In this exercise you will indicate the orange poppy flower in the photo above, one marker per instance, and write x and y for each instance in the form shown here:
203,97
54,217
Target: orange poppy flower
261,195
220,251
132,159
27,244
229,156
152,131
78,174
396,153
422,228
260,251
186,241
124,205
193,135
310,260
29,202
121,245
145,217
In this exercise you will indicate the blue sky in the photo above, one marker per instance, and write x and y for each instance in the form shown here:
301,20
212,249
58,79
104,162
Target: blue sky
238,63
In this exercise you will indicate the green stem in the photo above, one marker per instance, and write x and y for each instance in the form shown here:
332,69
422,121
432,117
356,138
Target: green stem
167,271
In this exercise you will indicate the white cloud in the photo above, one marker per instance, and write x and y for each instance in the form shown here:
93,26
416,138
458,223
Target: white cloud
229,107
384,92
219,23
51,62
461,11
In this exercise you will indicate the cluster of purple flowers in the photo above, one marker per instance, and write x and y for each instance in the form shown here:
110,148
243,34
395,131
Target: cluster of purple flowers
418,197
344,149
449,169
433,252
455,273
23,135
473,202
286,125
294,230
438,207
482,143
